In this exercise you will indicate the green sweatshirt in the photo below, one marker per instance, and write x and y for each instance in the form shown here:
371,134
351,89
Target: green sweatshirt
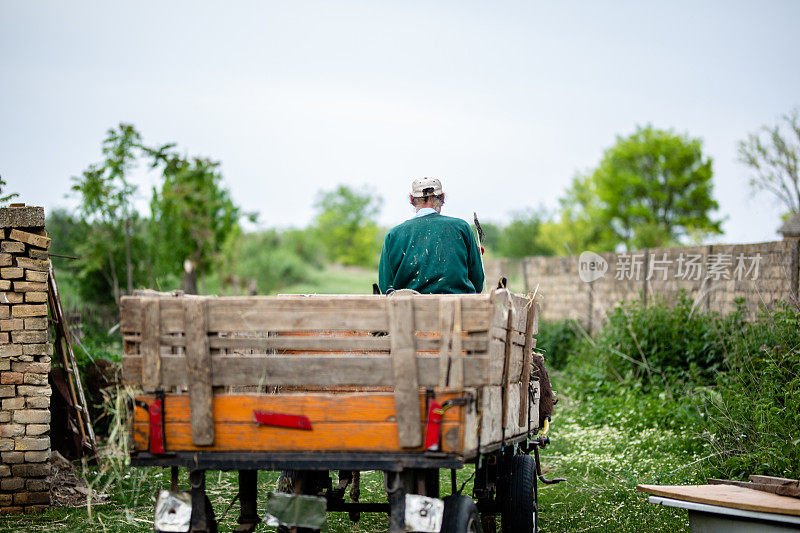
432,254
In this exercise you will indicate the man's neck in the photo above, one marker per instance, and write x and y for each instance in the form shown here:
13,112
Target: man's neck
425,211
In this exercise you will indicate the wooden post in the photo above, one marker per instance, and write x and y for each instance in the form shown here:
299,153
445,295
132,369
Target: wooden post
451,360
531,327
198,370
404,371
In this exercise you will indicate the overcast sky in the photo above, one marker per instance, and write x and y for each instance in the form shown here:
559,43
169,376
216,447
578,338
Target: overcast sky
503,101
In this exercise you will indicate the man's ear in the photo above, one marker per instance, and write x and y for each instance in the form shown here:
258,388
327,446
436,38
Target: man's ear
411,199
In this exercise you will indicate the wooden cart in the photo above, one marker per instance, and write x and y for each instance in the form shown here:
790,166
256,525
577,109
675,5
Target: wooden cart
309,384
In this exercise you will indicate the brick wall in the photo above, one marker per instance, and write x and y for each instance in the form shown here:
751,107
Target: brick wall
713,275
25,353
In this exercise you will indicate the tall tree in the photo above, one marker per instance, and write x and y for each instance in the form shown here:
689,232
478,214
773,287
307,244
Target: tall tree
345,225
106,199
773,153
193,214
654,188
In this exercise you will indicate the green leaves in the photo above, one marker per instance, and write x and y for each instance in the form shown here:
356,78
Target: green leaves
346,227
654,188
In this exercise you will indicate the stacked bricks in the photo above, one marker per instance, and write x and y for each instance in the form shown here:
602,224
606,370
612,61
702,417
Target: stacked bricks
25,353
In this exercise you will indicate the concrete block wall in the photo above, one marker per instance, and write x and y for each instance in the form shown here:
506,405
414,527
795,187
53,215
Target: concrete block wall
25,352
714,284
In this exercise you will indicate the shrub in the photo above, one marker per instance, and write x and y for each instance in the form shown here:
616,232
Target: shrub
557,340
754,416
662,344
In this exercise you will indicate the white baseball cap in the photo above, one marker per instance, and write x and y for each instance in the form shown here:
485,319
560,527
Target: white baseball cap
426,187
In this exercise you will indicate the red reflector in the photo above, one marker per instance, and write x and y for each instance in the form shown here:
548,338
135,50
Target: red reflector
156,412
432,430
281,420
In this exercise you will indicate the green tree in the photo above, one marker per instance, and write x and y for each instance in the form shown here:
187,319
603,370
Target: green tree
653,188
346,227
522,236
576,226
106,201
773,153
193,215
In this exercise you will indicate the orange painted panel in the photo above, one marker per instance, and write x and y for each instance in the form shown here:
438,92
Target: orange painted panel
325,436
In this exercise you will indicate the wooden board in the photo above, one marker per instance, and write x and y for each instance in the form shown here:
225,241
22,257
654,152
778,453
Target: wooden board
340,422
727,496
280,313
151,366
300,370
404,371
198,370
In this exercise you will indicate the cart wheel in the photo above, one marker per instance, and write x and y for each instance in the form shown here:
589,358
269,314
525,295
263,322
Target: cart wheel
460,515
519,508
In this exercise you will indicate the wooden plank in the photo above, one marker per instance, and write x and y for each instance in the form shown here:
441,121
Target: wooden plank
299,370
446,341
788,489
456,354
318,407
774,480
491,416
451,357
507,370
151,353
199,370
321,342
526,363
727,496
324,436
404,371
277,314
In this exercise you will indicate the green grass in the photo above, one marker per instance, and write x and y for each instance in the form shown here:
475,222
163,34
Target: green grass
336,279
604,446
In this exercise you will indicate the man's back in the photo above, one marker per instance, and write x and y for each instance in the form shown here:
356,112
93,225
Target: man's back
432,254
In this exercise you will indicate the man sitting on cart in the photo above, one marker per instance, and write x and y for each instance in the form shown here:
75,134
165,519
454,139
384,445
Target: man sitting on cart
430,253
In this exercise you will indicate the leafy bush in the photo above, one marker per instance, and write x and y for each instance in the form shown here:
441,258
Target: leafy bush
662,344
754,415
272,260
556,340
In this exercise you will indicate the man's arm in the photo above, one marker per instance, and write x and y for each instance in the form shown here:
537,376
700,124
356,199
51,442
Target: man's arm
474,265
385,273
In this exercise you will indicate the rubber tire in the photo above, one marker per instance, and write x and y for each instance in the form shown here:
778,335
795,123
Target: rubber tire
519,508
460,515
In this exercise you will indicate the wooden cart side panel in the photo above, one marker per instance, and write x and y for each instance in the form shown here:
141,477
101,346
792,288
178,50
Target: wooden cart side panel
300,370
343,422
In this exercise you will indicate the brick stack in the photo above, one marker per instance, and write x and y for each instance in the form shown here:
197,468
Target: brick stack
25,353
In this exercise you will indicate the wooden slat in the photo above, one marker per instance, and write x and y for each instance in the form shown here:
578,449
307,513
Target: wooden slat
451,357
456,354
727,496
474,343
300,370
404,371
446,341
507,370
526,364
151,357
199,370
354,313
